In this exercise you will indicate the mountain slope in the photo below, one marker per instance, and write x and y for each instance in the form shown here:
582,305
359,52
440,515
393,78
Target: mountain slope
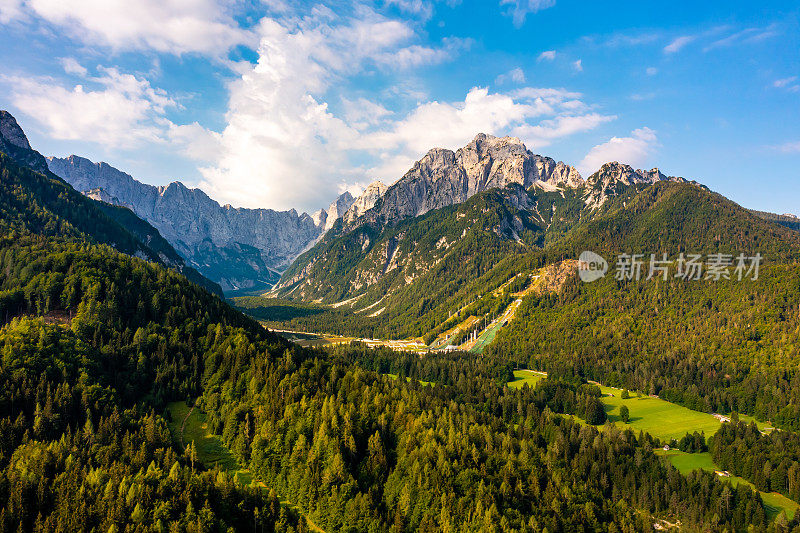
403,268
236,247
96,342
444,177
42,203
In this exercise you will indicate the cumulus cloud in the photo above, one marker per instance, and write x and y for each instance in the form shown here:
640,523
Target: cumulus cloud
677,44
114,110
537,115
547,55
71,66
635,150
362,113
172,26
651,71
518,10
578,65
516,75
283,145
10,10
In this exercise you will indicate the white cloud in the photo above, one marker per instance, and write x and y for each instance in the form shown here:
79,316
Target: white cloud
519,9
787,83
678,43
418,55
745,36
118,110
362,113
71,66
453,124
547,55
10,10
516,75
545,132
578,66
420,8
789,147
194,141
784,81
173,26
635,150
651,71
283,145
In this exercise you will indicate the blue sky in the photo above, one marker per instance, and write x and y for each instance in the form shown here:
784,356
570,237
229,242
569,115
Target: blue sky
287,104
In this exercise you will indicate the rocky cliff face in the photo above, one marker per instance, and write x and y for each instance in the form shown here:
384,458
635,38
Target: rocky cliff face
536,188
238,248
365,201
612,177
325,219
14,143
444,177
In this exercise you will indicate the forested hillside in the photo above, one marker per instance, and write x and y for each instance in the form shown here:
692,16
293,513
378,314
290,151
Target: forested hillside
96,342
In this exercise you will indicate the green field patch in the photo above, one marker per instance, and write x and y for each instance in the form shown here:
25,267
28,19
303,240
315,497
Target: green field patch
688,462
211,451
526,377
189,425
657,417
424,383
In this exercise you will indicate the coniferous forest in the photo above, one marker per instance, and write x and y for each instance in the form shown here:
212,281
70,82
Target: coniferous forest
95,345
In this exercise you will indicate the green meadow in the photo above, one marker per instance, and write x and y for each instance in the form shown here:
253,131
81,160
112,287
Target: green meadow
526,377
668,421
687,462
211,451
657,417
424,383
661,418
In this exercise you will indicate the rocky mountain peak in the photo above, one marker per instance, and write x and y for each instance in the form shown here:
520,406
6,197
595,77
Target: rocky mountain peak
365,201
337,209
615,171
11,132
444,177
605,182
14,143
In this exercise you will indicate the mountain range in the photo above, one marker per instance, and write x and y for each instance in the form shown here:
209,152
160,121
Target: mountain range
536,201
238,248
62,211
103,332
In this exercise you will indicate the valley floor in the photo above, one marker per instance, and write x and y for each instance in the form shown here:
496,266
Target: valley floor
666,421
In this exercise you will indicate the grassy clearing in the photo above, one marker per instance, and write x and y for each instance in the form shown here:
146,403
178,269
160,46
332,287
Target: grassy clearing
189,425
688,462
657,417
211,451
526,377
669,421
424,383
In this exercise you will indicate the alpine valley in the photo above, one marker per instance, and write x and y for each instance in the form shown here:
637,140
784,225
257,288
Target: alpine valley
424,357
